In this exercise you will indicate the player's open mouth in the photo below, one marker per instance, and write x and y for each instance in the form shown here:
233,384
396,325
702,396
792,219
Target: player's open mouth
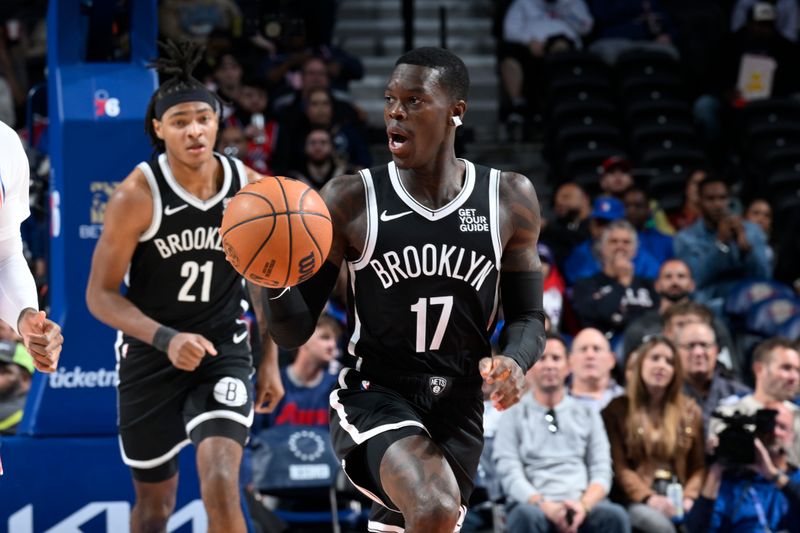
197,148
397,141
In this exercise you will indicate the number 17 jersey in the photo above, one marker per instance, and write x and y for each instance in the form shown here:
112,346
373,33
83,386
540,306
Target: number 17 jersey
424,293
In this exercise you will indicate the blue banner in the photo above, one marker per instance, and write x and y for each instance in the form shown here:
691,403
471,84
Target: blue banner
80,484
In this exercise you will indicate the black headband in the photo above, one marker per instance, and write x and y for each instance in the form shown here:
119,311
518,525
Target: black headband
196,94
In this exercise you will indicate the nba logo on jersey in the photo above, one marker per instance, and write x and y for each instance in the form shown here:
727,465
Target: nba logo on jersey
437,385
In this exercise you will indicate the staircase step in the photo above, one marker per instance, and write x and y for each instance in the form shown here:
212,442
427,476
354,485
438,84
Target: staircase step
371,87
423,27
359,9
392,46
478,65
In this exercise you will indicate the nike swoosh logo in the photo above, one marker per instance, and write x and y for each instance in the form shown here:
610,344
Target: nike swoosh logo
172,210
385,217
239,337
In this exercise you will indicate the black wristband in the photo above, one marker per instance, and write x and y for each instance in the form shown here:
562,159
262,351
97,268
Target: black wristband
162,338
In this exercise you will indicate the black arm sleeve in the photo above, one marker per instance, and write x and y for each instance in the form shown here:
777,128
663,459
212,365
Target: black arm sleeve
523,335
292,314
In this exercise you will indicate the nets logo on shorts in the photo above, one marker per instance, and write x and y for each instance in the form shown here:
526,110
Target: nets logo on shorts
438,385
231,392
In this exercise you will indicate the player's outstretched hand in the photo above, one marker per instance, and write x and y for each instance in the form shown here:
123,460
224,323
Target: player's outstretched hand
269,387
186,350
506,378
42,338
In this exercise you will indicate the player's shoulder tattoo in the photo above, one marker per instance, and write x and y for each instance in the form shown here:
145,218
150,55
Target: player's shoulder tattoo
345,196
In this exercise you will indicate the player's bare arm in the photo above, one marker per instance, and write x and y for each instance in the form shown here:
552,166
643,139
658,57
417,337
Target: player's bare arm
293,313
128,215
520,222
522,339
269,388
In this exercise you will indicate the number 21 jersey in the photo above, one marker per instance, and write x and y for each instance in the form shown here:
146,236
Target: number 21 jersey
178,273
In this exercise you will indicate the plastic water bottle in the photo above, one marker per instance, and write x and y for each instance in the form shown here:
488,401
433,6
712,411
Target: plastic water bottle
257,121
675,495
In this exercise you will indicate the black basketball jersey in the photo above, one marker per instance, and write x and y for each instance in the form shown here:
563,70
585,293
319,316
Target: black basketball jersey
178,273
424,293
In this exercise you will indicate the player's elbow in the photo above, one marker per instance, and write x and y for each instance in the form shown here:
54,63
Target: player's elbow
94,300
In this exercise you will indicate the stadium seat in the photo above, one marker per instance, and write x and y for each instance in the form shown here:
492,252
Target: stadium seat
296,465
576,111
577,64
651,89
585,88
667,136
784,208
782,158
679,158
785,161
661,112
781,185
790,329
747,293
766,317
646,63
571,138
765,140
669,188
586,161
771,111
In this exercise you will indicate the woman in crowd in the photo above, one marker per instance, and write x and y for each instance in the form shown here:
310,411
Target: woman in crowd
656,436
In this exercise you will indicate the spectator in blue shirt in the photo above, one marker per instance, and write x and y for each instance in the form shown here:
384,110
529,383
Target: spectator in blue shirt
584,262
764,496
720,248
307,381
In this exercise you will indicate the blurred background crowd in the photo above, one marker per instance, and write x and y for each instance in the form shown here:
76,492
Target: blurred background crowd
663,139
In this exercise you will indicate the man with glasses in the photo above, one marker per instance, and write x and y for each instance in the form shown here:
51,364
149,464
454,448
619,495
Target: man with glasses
553,457
703,380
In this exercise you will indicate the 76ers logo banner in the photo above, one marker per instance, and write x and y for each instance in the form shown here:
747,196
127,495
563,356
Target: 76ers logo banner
437,385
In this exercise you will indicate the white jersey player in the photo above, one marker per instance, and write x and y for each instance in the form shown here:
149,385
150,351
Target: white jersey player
19,303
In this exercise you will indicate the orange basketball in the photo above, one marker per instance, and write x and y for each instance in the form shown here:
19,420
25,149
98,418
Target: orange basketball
277,232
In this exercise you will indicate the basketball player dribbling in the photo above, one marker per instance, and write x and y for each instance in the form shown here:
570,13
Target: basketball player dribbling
429,241
183,354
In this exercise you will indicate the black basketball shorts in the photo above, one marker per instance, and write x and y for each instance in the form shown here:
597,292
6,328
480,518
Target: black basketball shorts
361,409
162,408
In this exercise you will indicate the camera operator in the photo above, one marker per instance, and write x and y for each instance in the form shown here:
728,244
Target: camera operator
761,496
776,367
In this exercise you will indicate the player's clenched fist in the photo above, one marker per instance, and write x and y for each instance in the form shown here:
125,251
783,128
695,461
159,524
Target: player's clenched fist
506,378
186,350
42,338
